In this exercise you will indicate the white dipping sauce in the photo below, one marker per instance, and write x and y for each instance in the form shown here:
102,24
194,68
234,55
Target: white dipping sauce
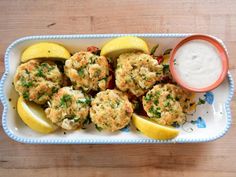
198,64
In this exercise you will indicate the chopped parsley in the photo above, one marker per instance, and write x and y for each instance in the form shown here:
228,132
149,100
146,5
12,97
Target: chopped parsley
44,65
26,84
80,71
158,93
105,78
27,72
40,73
26,95
201,101
169,97
166,69
148,97
156,112
92,59
64,100
40,94
156,102
84,101
98,128
166,103
76,119
87,121
69,116
54,89
175,62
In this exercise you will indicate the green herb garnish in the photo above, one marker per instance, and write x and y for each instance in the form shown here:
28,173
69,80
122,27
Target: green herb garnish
156,102
156,112
166,103
84,101
54,89
98,128
148,97
26,95
24,83
76,119
40,73
169,97
69,116
167,51
166,68
80,72
87,121
175,62
201,101
27,72
49,67
154,48
64,100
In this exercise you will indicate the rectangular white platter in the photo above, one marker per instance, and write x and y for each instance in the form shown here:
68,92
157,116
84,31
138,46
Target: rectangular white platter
210,121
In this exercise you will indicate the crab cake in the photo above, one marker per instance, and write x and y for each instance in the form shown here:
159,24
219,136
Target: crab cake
166,104
111,110
37,81
68,108
88,71
137,72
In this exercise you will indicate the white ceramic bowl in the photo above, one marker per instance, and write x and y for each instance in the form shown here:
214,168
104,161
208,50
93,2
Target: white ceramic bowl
210,121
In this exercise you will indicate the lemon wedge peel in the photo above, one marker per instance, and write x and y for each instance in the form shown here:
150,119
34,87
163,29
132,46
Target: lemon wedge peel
153,130
117,46
34,116
45,50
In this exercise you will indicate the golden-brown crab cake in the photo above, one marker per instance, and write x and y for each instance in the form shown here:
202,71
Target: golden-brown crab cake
37,81
68,108
137,72
111,110
88,71
164,103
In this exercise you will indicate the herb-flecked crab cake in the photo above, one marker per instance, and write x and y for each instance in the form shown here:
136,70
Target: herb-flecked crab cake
37,81
68,108
111,110
88,71
167,104
137,72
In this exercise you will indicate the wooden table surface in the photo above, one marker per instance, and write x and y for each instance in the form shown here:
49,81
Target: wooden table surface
31,17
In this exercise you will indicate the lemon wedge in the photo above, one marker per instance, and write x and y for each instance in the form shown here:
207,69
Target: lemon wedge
124,44
45,50
153,130
34,116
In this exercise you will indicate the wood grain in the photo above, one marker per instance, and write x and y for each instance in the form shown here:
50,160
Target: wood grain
34,17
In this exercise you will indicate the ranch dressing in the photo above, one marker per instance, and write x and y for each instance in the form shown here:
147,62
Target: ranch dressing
198,64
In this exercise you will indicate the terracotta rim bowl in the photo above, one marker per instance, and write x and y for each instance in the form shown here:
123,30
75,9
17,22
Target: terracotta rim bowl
221,51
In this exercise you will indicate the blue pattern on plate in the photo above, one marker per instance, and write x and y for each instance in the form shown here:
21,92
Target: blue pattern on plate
199,122
209,97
